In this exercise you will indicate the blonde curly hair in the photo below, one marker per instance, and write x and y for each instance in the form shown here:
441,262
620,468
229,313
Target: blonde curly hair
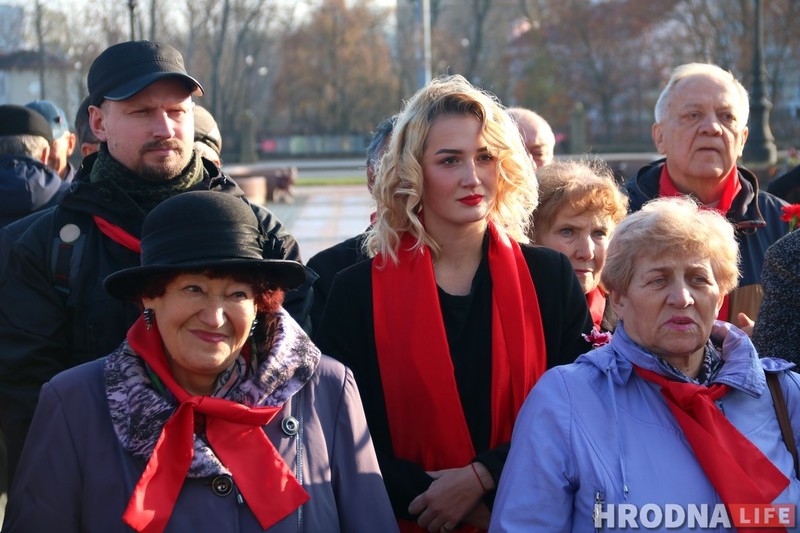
399,182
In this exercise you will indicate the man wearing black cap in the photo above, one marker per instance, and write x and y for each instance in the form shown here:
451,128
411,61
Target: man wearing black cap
54,313
27,184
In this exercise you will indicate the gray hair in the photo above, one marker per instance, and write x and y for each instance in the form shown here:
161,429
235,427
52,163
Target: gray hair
672,225
708,70
27,145
522,115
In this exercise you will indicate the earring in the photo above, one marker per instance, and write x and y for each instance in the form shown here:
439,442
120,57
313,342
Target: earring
253,326
149,315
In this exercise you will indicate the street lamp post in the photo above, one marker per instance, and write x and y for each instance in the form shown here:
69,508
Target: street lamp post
132,10
760,146
41,54
423,43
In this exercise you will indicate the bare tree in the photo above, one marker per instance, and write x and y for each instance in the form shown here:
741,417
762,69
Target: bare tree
231,46
337,66
337,71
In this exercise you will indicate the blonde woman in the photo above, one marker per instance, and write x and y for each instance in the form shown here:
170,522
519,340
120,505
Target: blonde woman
445,327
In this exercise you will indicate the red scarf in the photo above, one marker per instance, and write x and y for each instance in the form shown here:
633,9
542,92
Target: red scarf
235,433
426,419
118,235
666,187
736,468
597,305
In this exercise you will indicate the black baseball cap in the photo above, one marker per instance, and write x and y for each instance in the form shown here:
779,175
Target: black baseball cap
124,69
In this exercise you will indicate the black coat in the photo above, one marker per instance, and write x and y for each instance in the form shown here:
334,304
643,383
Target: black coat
46,325
347,333
329,262
787,186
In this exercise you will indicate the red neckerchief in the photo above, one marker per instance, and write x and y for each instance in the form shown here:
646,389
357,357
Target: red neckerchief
736,468
666,187
426,419
117,234
235,433
597,305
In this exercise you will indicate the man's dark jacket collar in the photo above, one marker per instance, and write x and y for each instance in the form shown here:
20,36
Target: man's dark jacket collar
744,213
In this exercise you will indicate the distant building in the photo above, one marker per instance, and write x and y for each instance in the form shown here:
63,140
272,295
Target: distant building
12,19
21,80
23,69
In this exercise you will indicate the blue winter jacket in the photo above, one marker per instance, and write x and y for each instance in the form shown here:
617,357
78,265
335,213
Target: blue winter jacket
26,185
594,432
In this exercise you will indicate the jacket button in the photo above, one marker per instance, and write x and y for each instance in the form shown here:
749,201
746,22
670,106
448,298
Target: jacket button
222,485
290,425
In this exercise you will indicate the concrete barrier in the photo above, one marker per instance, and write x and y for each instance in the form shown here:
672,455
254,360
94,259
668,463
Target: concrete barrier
262,185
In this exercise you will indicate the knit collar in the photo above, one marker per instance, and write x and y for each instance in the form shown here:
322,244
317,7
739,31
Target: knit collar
145,194
139,409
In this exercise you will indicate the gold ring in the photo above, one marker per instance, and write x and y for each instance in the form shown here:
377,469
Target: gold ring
446,527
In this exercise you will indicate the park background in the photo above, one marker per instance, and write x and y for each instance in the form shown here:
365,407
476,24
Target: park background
312,78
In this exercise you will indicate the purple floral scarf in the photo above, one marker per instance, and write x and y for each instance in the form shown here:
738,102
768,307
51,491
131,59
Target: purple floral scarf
284,360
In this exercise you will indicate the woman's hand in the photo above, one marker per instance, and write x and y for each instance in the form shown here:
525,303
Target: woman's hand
479,517
452,497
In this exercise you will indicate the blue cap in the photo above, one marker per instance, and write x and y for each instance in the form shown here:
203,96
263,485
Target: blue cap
54,115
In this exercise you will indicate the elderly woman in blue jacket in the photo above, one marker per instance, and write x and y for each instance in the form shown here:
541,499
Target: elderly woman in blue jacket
670,425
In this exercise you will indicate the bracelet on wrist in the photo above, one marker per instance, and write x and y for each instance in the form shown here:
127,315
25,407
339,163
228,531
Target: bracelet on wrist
480,481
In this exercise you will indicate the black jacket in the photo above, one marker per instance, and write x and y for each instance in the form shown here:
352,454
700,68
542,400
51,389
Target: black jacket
49,323
347,333
329,262
787,186
755,214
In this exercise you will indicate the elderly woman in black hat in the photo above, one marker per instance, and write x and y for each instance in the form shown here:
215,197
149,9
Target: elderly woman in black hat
217,413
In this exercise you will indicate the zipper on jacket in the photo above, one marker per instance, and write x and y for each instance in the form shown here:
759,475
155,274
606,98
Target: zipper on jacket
299,451
599,507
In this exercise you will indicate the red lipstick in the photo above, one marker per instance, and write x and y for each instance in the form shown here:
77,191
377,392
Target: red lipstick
471,200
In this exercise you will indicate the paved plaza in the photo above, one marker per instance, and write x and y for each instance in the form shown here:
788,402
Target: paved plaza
321,216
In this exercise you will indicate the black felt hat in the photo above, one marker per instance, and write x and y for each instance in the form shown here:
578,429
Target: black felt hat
124,69
199,230
20,120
